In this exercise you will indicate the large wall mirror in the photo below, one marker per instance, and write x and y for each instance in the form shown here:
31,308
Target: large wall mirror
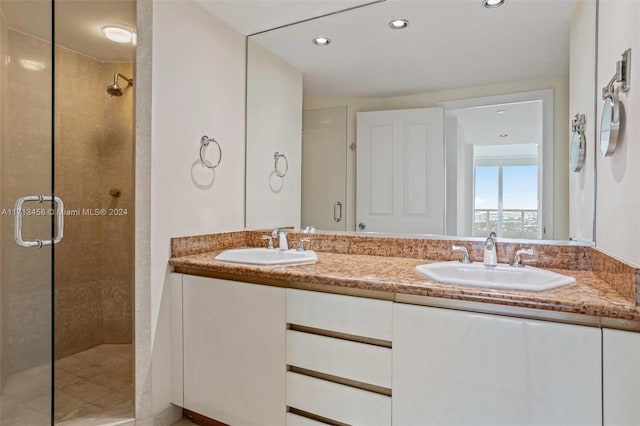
454,120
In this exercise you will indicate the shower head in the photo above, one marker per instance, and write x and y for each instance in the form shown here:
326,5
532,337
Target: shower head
114,89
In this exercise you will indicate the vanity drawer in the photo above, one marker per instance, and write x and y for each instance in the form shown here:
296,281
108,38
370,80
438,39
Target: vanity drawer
337,402
342,358
296,420
344,314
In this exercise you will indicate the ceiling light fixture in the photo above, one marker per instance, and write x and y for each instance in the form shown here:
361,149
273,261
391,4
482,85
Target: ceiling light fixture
501,111
118,34
398,24
490,4
321,41
32,65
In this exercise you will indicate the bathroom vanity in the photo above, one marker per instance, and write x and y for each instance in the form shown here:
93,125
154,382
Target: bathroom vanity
365,339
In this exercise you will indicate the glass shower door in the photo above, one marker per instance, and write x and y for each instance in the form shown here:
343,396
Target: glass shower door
27,226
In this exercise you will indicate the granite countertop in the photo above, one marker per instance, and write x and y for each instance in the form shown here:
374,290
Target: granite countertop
589,295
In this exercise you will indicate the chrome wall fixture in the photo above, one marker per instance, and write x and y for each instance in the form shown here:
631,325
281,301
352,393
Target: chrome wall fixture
204,143
578,143
610,121
622,76
276,160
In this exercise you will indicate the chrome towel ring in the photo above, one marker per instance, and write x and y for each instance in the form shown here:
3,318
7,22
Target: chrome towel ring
276,158
204,143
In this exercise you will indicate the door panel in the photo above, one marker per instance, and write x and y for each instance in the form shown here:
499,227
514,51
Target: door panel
400,164
462,368
324,168
26,92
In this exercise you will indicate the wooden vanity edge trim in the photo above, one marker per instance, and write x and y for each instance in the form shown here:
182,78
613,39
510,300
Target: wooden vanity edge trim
199,419
321,288
519,312
340,380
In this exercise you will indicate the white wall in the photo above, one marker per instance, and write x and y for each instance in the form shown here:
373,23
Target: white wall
559,84
274,124
618,200
581,100
198,88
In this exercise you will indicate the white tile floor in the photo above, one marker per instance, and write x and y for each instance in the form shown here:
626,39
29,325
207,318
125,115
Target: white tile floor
94,387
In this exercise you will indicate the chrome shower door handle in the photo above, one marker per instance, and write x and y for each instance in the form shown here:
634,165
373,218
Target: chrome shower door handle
59,222
337,217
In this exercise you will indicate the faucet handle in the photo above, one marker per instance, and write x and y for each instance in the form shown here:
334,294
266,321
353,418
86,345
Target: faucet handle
517,262
465,253
268,237
301,243
276,232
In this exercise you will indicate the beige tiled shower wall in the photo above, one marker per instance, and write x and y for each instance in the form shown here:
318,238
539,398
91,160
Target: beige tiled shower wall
94,153
117,156
78,258
25,169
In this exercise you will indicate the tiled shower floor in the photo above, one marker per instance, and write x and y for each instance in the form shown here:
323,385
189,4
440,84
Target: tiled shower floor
94,387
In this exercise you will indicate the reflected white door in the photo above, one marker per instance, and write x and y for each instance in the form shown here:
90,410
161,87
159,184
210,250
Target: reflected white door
400,171
324,168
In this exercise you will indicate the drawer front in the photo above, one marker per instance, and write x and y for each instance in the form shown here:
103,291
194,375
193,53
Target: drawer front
344,314
337,402
296,420
350,360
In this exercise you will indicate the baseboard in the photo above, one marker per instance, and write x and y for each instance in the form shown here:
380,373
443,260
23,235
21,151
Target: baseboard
168,416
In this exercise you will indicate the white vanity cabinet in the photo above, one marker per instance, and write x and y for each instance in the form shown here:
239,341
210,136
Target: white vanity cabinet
339,357
621,377
461,368
234,351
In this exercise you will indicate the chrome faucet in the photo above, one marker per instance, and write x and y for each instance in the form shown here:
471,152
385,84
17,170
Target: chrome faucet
490,256
301,243
281,235
517,262
465,253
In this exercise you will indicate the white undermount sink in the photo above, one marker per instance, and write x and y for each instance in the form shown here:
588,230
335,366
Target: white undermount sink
265,256
501,276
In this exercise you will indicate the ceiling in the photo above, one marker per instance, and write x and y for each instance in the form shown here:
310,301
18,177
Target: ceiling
448,44
78,24
253,16
521,122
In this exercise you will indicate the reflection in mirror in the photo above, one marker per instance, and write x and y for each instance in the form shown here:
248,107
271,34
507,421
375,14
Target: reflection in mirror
457,124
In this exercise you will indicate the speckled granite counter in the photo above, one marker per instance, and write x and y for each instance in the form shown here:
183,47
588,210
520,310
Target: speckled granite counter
394,276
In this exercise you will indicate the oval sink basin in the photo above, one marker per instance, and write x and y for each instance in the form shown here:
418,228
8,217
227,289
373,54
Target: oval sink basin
264,256
501,276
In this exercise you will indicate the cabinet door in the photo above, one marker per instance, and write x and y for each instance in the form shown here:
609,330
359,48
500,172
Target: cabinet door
234,351
459,368
621,375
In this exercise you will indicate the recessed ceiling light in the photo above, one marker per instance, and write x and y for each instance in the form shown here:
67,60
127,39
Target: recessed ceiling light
399,24
118,34
321,41
490,4
503,135
501,111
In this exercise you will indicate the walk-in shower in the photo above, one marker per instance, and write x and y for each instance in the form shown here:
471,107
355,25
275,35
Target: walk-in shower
115,89
66,309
